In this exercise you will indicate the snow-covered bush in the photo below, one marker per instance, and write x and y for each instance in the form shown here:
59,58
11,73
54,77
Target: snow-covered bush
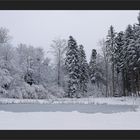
15,93
5,78
29,91
95,91
56,91
3,92
24,91
41,92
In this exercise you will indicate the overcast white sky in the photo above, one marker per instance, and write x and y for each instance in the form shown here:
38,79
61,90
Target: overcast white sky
39,28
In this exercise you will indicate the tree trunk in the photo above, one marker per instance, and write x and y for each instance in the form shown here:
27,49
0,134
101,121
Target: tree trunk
113,87
138,84
123,78
106,79
106,66
127,83
58,80
117,87
132,83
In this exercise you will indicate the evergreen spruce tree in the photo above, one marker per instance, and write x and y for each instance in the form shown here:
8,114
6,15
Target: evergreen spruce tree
92,66
72,67
118,54
83,78
111,43
127,56
118,60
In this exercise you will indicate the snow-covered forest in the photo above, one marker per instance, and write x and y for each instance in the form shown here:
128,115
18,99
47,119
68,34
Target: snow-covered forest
27,73
88,78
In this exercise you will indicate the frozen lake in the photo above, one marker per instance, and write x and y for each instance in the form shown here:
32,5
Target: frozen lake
82,108
70,116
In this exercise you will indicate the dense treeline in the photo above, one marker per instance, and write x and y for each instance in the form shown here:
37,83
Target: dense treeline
26,72
123,53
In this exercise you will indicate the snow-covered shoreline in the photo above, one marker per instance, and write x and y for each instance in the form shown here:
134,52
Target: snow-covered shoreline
92,100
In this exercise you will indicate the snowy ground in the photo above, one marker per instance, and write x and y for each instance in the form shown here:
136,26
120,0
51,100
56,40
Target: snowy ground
94,113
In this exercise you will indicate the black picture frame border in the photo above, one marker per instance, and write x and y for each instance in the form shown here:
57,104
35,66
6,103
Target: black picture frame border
69,135
70,5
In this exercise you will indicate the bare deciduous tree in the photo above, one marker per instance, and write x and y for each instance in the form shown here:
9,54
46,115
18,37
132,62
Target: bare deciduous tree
59,48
